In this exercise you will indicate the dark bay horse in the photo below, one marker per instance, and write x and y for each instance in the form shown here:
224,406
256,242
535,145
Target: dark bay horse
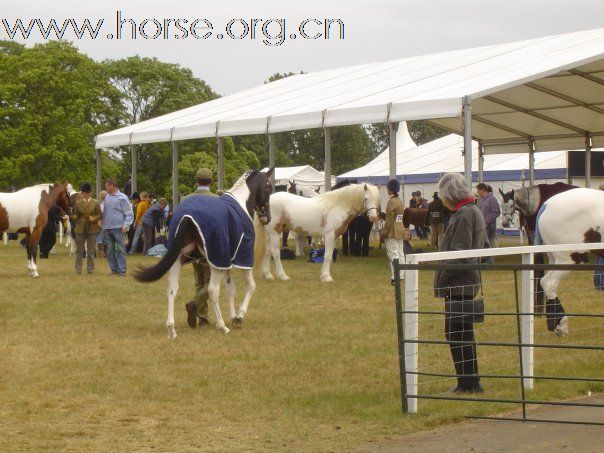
26,211
219,231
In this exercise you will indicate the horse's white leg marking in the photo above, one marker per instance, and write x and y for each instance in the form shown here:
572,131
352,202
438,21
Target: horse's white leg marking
173,275
550,282
229,287
330,242
300,243
266,263
251,287
276,251
214,293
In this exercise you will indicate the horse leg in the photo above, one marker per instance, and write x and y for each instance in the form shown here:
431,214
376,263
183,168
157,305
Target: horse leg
214,293
274,240
229,287
173,275
251,287
266,263
300,240
556,321
330,242
32,241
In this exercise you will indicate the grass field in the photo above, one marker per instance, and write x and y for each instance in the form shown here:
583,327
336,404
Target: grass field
87,365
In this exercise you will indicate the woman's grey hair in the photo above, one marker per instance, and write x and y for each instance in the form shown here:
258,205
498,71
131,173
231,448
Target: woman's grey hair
454,187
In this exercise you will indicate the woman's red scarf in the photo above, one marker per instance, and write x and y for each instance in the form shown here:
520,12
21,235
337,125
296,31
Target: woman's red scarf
464,202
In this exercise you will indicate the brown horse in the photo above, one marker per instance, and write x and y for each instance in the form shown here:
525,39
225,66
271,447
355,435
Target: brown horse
26,211
415,216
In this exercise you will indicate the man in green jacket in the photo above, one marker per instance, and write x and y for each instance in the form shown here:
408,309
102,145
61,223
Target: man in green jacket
197,309
86,217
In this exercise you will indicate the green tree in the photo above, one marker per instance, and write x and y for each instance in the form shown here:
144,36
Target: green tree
151,88
53,101
236,162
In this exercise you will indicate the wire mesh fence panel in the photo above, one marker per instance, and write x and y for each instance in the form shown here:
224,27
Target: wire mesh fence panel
512,356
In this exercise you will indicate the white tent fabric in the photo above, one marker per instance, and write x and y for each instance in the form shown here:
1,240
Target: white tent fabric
425,163
420,167
306,177
549,89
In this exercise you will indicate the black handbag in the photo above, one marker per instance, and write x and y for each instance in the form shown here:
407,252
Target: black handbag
471,310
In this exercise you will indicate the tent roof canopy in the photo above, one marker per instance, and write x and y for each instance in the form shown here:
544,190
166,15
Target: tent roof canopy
550,90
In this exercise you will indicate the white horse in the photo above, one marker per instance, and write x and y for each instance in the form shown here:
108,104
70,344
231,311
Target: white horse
567,218
326,215
219,231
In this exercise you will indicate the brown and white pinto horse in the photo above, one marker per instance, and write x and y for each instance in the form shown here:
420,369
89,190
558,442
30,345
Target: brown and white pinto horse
26,211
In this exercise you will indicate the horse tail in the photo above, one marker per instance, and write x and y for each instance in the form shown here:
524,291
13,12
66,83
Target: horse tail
154,273
259,242
539,303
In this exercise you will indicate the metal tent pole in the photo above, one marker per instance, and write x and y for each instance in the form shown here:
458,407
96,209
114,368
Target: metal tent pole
220,153
134,160
327,146
587,161
393,128
480,163
175,192
99,183
271,156
531,163
467,137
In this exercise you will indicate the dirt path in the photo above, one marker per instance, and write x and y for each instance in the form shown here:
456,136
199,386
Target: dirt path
509,436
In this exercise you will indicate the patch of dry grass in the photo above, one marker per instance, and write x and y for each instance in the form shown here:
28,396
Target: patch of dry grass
87,364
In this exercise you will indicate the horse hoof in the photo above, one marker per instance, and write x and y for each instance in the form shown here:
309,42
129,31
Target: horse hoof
225,330
171,332
237,322
327,279
283,277
269,277
35,275
562,328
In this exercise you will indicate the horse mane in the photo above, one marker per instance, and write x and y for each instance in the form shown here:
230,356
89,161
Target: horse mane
344,183
242,179
351,196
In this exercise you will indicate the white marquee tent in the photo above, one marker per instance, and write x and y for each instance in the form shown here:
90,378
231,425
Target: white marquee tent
306,177
543,94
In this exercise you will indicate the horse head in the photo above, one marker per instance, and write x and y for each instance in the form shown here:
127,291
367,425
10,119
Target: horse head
371,201
508,208
292,187
260,187
58,194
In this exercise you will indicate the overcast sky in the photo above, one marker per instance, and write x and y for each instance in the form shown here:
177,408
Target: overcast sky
374,30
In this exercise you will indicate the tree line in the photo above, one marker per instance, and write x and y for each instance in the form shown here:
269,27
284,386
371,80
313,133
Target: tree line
54,100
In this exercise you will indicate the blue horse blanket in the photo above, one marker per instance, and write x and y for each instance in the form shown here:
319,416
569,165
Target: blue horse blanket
226,229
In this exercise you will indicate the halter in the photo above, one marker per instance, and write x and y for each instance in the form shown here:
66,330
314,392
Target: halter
513,211
369,209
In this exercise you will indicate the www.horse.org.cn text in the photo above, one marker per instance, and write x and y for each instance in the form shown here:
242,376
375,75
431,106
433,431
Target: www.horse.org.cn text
271,32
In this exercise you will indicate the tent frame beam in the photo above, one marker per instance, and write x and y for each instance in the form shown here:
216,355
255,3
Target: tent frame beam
535,114
564,97
500,126
586,75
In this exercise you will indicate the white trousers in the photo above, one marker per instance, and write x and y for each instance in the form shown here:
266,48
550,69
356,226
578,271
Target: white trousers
395,250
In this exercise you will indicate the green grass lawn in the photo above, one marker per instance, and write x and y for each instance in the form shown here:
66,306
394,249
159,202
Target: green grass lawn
87,364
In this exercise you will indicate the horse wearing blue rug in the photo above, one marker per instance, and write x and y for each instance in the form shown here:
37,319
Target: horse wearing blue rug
219,231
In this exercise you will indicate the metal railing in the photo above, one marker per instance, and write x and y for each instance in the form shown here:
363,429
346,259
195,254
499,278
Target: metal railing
408,325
